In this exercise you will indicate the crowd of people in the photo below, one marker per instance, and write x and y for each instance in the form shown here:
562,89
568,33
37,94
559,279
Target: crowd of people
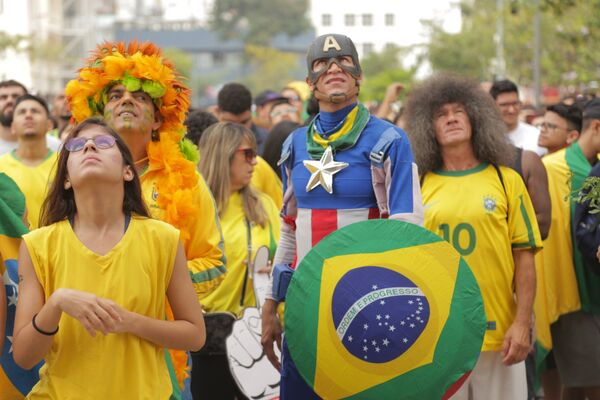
145,214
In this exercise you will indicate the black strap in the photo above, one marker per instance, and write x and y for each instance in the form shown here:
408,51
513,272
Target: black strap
503,187
248,260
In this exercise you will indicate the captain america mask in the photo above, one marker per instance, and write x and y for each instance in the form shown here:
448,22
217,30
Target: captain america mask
328,49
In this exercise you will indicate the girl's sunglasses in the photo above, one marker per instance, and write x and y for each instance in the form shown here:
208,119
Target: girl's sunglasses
249,154
101,142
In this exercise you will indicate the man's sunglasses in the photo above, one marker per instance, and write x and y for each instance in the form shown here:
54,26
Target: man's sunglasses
249,154
101,141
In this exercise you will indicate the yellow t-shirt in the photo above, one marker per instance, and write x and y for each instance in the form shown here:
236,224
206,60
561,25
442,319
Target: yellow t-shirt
469,210
34,182
204,247
267,181
228,295
135,274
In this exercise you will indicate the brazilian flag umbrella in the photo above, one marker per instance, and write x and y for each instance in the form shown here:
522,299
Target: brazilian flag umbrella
383,309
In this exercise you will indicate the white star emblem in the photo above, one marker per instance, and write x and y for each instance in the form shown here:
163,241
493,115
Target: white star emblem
349,338
387,316
412,325
410,302
402,322
374,287
322,171
377,349
12,300
374,343
392,328
366,326
382,302
378,317
365,348
405,340
386,342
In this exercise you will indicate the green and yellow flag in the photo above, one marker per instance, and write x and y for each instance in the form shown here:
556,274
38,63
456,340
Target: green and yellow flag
15,382
384,309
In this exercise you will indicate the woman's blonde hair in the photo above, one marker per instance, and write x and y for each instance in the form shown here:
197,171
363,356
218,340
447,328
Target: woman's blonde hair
218,146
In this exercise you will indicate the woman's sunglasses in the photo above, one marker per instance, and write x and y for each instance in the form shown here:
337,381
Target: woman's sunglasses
249,154
101,141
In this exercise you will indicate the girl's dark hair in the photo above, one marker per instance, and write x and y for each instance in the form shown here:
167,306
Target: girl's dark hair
274,142
60,202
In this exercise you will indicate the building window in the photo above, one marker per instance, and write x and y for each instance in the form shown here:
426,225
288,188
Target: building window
349,19
367,49
389,19
367,19
326,19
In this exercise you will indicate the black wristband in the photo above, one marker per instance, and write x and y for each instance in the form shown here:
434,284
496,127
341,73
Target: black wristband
41,331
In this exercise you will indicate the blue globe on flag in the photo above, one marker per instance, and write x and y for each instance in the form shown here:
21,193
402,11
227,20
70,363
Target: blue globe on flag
384,309
389,314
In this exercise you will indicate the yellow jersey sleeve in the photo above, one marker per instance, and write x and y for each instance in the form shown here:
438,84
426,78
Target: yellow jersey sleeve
267,181
522,223
204,247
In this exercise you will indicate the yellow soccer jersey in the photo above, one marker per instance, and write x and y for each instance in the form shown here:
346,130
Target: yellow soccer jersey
204,247
228,294
34,182
135,274
484,221
267,181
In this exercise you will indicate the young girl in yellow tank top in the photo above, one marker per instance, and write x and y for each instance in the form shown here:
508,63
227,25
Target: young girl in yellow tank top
95,278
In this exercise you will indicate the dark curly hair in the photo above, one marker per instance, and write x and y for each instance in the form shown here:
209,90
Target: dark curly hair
234,98
196,123
489,139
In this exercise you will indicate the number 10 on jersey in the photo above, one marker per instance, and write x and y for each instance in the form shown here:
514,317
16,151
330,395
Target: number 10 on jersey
462,237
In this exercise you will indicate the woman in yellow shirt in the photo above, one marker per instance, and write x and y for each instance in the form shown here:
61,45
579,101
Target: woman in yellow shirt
227,162
93,282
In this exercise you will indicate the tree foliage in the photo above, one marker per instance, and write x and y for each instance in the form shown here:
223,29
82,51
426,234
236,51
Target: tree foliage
272,68
8,41
182,61
382,69
259,21
570,30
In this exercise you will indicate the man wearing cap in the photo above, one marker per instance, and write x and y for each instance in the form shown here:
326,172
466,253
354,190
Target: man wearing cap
264,103
345,166
575,289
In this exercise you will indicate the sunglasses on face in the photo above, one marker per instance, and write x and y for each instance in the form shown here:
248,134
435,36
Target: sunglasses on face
249,154
101,142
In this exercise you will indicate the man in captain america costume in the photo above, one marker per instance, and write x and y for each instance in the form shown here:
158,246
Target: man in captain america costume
346,166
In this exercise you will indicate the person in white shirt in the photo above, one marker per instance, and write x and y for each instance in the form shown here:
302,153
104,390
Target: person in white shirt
525,136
